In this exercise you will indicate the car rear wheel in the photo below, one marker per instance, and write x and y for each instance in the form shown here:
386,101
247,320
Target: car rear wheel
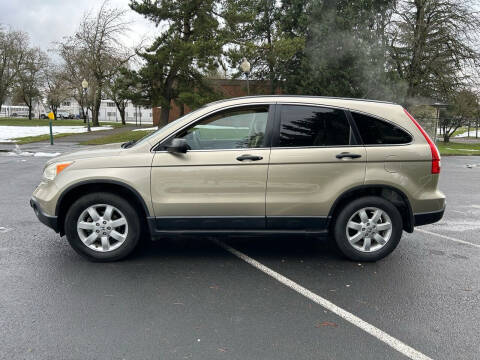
368,229
102,227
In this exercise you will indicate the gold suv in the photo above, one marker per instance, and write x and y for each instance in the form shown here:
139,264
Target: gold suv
361,171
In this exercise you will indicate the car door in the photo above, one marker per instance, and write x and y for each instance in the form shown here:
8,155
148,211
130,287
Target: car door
315,157
220,183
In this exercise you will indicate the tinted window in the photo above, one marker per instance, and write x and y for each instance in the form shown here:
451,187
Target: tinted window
313,126
229,129
374,131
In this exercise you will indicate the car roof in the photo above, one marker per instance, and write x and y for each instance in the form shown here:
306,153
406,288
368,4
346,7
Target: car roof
375,107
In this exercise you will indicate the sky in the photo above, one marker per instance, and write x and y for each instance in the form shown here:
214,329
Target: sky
47,21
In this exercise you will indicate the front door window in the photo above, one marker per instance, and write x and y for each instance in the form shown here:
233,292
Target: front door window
242,128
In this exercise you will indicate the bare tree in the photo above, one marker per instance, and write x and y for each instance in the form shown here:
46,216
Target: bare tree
56,90
462,111
99,51
117,90
74,70
30,78
12,55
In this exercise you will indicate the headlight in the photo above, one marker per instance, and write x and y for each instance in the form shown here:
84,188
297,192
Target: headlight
54,169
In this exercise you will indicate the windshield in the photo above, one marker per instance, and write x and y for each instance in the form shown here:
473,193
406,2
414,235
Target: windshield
166,127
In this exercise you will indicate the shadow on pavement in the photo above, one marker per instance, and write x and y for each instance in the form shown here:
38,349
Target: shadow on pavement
267,247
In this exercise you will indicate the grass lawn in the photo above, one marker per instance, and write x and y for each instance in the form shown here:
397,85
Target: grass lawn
459,131
117,138
45,137
447,149
44,122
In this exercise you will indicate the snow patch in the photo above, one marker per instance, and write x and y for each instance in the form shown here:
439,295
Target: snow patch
5,229
8,133
18,152
34,154
147,129
44,154
472,133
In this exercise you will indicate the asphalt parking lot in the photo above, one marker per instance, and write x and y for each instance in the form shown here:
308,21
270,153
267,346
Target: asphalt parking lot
193,299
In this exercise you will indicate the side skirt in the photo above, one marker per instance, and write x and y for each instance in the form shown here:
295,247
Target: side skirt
212,225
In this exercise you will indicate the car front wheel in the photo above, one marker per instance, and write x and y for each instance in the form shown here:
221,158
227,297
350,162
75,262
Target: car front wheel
368,229
102,227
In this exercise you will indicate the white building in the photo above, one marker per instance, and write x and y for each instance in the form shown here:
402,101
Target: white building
13,110
109,112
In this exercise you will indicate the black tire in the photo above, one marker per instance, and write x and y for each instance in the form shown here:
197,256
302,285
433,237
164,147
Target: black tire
339,229
130,213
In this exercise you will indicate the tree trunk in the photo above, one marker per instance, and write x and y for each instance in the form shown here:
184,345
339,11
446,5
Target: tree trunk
122,115
84,115
30,112
446,138
418,46
2,99
96,108
164,115
271,69
121,105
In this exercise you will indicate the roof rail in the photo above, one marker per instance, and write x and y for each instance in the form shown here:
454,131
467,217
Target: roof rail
303,96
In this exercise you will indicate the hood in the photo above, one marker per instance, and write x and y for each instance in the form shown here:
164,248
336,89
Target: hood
95,151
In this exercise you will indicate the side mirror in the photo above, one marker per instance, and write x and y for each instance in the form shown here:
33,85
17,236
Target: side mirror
178,146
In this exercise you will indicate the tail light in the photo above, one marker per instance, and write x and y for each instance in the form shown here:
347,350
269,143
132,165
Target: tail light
433,148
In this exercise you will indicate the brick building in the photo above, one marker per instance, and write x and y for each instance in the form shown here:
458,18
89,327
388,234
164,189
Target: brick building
228,87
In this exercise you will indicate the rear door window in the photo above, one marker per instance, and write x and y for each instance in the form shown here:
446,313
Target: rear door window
306,126
377,132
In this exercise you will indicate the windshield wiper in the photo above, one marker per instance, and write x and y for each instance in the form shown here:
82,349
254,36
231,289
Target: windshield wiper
128,144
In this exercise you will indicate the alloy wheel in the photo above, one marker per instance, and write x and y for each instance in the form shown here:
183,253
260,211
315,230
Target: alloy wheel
102,227
369,229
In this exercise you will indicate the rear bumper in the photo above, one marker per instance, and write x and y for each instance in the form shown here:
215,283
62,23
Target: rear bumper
50,221
428,218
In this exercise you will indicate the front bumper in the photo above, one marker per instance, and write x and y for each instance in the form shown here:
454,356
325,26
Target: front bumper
50,221
428,217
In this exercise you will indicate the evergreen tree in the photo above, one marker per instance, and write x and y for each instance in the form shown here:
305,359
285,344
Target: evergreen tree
346,49
434,46
190,44
263,32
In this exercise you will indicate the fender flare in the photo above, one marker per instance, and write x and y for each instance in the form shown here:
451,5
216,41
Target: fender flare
411,221
101,181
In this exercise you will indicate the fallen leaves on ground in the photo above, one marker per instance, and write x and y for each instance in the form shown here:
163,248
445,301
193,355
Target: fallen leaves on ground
326,323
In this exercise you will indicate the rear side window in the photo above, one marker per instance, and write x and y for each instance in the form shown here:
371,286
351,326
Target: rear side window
313,126
374,131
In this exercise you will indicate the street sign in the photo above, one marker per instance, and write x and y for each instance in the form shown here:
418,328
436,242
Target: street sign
51,116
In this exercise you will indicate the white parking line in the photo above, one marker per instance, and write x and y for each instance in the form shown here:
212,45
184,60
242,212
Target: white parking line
449,238
352,319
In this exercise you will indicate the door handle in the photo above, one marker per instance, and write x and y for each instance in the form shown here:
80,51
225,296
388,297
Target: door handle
348,155
249,157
